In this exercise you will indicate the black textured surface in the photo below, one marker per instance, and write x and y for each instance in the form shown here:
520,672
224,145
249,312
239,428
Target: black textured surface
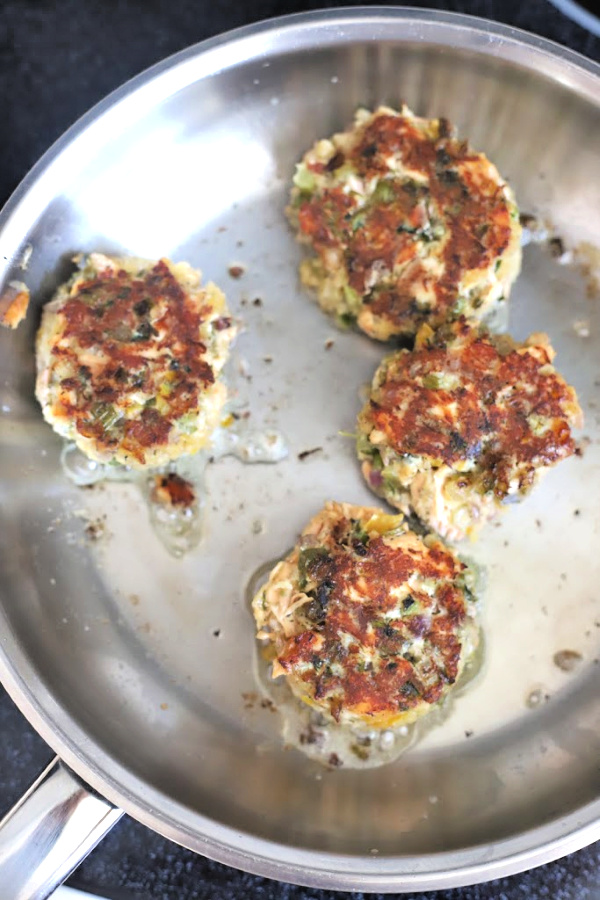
56,60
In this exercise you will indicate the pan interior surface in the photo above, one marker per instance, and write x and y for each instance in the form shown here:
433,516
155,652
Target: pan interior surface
138,667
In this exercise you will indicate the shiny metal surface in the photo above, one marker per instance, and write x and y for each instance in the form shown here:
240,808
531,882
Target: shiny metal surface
132,664
52,828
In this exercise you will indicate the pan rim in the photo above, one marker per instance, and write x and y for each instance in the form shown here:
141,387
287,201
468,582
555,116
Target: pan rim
18,673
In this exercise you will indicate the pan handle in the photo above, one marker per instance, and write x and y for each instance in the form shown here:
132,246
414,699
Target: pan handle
49,831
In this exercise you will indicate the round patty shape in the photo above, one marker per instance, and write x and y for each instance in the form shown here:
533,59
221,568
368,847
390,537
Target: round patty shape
370,624
464,423
128,358
408,224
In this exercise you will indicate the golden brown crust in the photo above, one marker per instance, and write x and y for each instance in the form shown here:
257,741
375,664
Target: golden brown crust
407,222
369,621
124,361
483,409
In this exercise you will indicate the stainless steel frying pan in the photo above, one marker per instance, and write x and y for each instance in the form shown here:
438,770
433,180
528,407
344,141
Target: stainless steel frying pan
132,664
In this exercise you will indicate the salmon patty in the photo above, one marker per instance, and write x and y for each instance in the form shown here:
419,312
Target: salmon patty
408,225
370,624
463,424
128,358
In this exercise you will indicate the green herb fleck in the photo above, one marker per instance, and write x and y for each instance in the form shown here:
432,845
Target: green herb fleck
358,220
406,229
346,320
364,447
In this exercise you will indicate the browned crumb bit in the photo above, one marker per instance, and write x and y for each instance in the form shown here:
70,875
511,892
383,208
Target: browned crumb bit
310,735
305,453
236,271
13,304
173,490
567,660
257,302
526,219
329,343
164,705
334,760
94,530
265,703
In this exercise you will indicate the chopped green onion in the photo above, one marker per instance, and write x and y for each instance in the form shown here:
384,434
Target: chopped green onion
352,298
358,532
105,414
384,192
304,178
433,381
391,482
459,306
364,447
188,423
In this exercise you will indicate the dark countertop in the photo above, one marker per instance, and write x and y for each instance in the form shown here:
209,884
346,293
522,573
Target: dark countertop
56,60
